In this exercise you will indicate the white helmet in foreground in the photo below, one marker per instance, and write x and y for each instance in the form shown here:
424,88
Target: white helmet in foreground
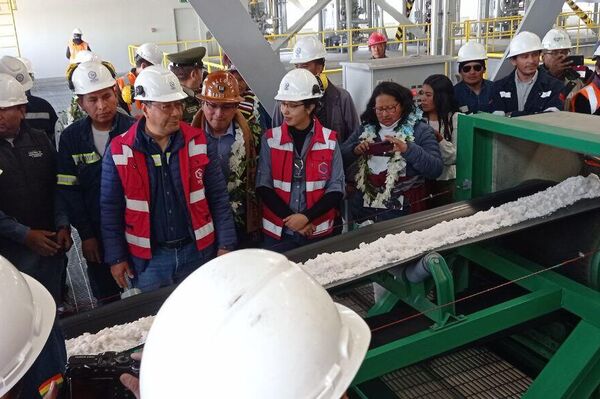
17,69
150,52
91,76
472,51
11,93
524,42
251,324
156,83
307,49
298,85
29,311
556,39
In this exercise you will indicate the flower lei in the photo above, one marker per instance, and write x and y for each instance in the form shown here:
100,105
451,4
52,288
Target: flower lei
373,196
237,166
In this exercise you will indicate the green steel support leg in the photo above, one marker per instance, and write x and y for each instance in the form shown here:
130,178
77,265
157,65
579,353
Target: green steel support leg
423,345
395,289
574,371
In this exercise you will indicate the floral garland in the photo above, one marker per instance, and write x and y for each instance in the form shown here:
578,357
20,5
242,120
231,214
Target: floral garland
376,197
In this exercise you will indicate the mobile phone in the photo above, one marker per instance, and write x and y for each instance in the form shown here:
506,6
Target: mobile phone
380,148
575,60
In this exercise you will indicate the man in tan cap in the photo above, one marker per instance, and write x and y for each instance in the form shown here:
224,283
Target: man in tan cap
188,67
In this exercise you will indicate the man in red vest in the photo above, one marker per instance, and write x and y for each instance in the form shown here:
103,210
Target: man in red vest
164,202
300,176
587,100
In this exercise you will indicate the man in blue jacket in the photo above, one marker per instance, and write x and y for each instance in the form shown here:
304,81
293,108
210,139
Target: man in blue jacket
527,90
164,202
82,145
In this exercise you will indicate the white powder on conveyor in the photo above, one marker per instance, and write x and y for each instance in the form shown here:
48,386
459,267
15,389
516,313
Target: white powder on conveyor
331,267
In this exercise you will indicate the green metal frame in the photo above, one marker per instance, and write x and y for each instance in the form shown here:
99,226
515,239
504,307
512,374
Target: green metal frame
573,369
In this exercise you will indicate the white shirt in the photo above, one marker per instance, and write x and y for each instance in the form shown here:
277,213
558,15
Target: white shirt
100,139
447,148
376,163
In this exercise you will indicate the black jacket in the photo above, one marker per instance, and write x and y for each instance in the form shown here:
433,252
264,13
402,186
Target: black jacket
544,95
40,115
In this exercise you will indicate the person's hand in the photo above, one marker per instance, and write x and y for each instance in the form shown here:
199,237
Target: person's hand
129,381
222,251
119,271
295,222
63,238
91,250
307,230
41,242
361,148
399,145
52,392
558,67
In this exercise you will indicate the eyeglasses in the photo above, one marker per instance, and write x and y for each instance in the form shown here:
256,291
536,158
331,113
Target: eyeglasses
168,107
224,107
285,104
477,68
389,109
558,53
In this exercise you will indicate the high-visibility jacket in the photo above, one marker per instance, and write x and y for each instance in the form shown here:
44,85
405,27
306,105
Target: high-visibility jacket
74,48
592,93
135,109
318,164
133,172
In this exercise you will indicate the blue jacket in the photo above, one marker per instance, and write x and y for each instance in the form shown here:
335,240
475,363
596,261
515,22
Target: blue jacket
112,204
544,95
473,103
423,157
79,169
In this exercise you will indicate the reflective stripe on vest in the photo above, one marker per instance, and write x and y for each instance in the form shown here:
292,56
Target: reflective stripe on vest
133,173
592,93
319,161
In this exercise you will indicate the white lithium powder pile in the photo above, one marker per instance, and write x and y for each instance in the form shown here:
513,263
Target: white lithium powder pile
328,268
118,338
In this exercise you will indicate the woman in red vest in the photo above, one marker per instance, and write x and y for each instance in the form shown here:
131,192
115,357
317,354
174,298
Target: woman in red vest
300,176
395,151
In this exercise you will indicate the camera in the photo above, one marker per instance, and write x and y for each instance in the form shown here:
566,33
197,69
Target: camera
97,376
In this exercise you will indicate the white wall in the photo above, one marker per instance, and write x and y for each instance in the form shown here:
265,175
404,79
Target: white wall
44,27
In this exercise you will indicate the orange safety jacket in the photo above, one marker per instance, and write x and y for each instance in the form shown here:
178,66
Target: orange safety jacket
592,93
75,48
135,109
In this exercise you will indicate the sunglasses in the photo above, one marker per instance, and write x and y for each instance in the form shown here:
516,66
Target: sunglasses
477,68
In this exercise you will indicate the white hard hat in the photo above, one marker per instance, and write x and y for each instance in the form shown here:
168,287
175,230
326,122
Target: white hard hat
150,52
556,39
29,311
77,31
524,42
472,51
307,49
596,53
11,92
156,83
91,76
27,63
85,56
298,85
251,324
17,69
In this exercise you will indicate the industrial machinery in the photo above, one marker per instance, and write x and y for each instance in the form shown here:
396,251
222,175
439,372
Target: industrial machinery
513,313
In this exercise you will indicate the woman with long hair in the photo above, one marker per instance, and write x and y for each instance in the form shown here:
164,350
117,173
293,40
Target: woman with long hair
440,109
395,151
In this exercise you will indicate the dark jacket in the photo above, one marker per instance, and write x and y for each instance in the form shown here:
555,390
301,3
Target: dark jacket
339,112
423,156
544,95
112,203
28,186
40,115
79,170
469,102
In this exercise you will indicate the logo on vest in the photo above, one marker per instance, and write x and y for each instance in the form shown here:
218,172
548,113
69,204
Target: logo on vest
35,154
199,174
92,75
323,169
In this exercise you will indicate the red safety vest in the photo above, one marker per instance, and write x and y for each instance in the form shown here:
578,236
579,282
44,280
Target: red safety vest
133,171
592,93
319,161
75,48
136,108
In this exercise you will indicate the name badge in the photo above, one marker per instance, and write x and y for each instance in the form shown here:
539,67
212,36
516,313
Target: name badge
505,94
545,94
36,154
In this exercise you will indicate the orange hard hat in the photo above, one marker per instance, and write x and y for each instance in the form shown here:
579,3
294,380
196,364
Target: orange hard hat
377,38
221,87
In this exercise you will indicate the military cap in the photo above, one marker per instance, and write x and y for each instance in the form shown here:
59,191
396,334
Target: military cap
190,57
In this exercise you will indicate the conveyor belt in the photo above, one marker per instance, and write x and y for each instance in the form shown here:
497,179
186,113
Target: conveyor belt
147,304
